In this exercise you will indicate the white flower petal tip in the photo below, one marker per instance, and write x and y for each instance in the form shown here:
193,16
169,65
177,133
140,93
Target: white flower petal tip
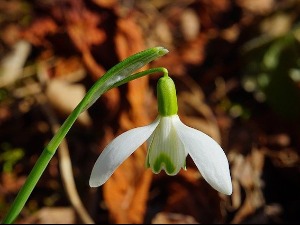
93,183
208,156
227,190
118,151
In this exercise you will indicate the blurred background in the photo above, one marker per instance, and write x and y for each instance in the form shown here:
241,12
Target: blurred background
236,65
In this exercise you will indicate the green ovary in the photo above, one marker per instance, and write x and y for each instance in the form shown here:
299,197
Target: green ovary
163,161
166,96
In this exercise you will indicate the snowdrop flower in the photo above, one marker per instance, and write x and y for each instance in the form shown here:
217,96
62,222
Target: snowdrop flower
169,143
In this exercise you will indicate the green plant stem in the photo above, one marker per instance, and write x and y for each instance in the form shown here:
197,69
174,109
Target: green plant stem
28,186
38,169
143,73
51,148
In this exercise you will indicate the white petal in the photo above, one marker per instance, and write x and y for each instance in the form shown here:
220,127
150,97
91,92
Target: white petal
119,150
166,151
208,156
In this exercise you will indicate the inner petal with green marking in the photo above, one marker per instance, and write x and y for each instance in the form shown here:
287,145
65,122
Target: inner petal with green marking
166,151
163,162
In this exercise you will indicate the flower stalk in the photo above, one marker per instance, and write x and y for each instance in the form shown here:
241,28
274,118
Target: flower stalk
117,75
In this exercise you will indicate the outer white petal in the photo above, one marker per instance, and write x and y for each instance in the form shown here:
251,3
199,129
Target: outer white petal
119,150
208,156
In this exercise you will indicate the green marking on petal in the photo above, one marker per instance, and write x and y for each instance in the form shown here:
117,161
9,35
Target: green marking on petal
164,161
147,161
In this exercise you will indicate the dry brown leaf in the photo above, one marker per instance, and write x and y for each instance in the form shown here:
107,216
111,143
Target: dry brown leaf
194,111
65,97
211,12
10,34
190,24
92,66
70,69
52,215
173,62
82,27
194,52
106,3
110,102
163,34
246,173
10,183
126,192
5,114
193,197
257,6
128,38
173,218
12,64
39,30
277,25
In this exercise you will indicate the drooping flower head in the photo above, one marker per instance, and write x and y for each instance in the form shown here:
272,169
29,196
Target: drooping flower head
169,143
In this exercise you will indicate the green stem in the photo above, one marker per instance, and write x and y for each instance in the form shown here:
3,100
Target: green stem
141,74
28,186
39,168
93,94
